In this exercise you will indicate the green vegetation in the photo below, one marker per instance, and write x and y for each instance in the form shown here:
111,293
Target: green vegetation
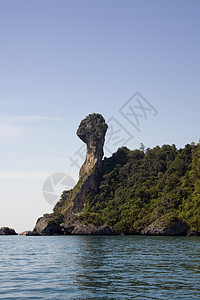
55,218
138,187
64,201
67,197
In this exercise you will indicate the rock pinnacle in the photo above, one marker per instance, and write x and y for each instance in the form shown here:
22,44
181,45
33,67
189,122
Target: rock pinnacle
92,131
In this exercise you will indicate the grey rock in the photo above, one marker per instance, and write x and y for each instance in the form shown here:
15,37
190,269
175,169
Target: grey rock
75,227
92,131
7,231
80,199
48,225
193,233
29,233
175,227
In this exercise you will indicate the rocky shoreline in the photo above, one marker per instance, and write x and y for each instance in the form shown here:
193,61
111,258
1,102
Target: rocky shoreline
76,228
157,228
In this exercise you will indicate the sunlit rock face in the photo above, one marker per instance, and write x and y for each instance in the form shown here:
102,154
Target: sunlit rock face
92,131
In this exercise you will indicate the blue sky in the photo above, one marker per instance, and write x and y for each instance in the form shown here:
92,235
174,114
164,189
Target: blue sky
61,60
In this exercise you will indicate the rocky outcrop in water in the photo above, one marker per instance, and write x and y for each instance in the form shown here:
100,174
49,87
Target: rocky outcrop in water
49,224
29,233
7,231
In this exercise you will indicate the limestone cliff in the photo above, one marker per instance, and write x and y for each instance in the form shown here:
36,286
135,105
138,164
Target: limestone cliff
92,131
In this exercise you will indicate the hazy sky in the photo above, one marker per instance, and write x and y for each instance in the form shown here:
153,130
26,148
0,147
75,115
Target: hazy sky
61,60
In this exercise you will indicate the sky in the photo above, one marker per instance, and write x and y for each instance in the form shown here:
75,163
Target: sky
136,62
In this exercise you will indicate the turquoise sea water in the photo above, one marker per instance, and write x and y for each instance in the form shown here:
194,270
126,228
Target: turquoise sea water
99,267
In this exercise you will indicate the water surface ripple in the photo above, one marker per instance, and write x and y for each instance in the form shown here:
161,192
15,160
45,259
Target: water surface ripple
99,267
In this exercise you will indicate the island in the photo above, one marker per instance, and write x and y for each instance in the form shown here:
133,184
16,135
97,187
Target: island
142,191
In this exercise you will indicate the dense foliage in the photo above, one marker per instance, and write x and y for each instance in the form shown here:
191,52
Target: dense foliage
138,187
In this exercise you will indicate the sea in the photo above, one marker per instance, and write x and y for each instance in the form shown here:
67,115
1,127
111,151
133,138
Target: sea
99,267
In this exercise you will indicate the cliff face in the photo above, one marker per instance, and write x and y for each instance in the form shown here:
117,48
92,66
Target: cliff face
79,200
92,131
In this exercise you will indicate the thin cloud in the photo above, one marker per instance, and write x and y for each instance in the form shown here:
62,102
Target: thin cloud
10,124
46,159
10,131
23,175
32,118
